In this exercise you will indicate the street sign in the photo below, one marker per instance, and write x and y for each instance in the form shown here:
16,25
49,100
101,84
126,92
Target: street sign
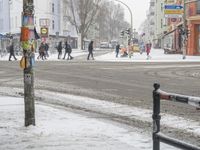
44,32
173,11
173,7
169,1
173,16
44,22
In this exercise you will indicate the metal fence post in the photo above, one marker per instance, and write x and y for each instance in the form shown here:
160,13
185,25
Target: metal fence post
156,117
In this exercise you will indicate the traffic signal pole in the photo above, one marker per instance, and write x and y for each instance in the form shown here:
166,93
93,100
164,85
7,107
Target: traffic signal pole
27,62
184,27
131,14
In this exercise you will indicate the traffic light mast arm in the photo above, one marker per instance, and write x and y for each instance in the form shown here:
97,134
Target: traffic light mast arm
130,14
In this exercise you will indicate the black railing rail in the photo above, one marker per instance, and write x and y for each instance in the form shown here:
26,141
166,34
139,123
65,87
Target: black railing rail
159,137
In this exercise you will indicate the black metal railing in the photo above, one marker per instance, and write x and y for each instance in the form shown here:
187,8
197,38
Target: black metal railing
159,137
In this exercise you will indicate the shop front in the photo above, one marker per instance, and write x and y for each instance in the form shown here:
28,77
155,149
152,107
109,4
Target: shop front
194,36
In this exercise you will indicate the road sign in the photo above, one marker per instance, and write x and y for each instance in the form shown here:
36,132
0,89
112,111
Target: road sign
173,7
173,16
44,32
173,11
44,22
169,1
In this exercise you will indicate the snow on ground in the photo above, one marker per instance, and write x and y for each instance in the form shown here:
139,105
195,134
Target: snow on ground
120,110
58,129
157,55
52,56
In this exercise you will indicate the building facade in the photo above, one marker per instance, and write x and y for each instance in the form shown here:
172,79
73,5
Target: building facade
193,23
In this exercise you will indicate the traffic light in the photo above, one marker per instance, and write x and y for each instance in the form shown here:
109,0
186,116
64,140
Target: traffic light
122,33
128,31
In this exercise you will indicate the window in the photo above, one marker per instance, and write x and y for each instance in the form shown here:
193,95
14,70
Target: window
161,7
1,5
53,24
1,24
53,9
198,7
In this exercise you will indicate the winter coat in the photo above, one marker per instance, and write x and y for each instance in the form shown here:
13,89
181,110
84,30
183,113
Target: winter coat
117,48
148,48
68,48
59,47
11,49
90,47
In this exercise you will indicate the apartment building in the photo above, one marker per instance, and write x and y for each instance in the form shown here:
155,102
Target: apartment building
160,23
48,13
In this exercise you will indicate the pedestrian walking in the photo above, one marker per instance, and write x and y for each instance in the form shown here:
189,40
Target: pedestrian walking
12,51
46,50
68,51
90,50
42,48
59,49
117,50
148,49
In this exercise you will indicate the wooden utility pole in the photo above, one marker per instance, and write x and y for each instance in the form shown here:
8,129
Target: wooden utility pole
28,44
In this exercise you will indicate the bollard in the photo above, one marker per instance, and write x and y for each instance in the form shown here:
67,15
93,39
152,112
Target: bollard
156,117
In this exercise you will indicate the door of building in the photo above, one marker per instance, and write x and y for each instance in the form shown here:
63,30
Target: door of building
198,39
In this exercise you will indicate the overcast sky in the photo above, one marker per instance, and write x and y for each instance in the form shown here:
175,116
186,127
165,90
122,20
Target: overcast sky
139,9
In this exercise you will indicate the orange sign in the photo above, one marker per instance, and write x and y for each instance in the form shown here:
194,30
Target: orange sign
173,11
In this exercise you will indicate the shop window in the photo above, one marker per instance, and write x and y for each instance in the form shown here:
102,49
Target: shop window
198,7
1,24
53,9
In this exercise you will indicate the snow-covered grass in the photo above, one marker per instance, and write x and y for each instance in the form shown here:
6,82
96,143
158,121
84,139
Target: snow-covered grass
58,129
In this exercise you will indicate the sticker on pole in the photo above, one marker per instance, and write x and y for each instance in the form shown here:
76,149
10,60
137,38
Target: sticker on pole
27,78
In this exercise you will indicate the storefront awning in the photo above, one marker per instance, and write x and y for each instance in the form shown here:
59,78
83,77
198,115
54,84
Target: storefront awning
169,32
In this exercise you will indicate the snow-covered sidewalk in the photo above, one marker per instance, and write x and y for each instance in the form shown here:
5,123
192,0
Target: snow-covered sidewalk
157,55
58,129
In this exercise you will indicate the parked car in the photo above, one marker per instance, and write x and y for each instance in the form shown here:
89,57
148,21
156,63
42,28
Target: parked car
104,45
136,48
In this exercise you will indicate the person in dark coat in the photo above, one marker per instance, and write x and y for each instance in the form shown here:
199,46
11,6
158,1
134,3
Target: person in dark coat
12,51
68,51
59,48
117,50
90,50
46,50
42,51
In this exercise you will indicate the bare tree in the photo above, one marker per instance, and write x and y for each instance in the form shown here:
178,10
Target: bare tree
83,15
111,21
